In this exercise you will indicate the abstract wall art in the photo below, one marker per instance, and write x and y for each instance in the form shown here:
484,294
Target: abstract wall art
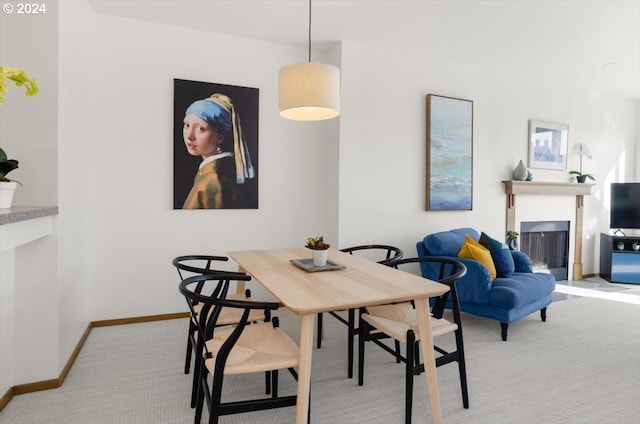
449,176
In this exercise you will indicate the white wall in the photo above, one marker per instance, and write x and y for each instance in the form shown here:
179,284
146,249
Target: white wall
76,123
29,124
117,231
29,133
382,145
125,141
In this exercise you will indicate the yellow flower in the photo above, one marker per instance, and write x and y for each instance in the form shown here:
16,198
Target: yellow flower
19,78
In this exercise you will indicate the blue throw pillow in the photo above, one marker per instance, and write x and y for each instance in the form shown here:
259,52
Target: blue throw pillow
500,254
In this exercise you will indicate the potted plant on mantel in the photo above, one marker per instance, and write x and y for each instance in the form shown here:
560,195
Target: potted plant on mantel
20,79
319,250
581,177
512,239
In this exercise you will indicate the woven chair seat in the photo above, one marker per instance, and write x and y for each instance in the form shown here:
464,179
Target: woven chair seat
261,347
395,320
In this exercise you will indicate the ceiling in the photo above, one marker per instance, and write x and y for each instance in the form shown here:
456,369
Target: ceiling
583,44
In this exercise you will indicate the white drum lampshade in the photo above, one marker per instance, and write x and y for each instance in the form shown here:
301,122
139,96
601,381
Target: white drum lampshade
309,92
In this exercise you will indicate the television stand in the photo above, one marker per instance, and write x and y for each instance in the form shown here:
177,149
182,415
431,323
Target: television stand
619,260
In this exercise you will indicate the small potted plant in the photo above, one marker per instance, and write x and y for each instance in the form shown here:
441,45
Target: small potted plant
581,177
20,79
635,246
512,239
7,186
319,250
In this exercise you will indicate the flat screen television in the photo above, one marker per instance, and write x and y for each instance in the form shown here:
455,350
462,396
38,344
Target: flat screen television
625,206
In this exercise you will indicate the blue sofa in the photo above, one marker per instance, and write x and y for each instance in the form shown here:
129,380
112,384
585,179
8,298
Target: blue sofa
505,299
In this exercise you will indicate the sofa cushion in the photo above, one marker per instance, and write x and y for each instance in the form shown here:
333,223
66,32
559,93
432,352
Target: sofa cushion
500,254
448,243
521,289
471,249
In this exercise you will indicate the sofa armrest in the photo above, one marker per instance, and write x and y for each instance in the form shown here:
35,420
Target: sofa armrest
474,287
422,251
522,261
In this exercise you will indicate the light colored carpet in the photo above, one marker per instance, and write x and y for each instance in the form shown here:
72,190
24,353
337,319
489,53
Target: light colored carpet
582,366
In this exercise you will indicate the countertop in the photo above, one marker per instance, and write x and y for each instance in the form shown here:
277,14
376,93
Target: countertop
25,213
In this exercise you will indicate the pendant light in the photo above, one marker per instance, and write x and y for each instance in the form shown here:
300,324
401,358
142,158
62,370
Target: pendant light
309,91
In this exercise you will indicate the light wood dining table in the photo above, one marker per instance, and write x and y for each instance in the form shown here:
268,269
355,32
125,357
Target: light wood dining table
361,283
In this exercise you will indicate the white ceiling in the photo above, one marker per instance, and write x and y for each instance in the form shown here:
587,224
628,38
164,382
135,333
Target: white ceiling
582,44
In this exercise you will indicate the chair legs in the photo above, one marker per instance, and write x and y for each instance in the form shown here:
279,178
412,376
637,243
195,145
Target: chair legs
352,331
200,391
363,332
197,370
319,331
187,359
213,398
413,366
462,368
409,372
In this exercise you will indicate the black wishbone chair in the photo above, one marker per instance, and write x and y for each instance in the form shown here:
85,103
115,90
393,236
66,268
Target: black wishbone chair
190,265
236,349
398,321
381,253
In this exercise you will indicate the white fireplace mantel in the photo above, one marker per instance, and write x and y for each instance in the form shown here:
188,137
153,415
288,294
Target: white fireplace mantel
579,190
547,188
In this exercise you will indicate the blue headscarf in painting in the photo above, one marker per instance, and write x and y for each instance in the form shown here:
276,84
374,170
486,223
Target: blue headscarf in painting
214,114
219,111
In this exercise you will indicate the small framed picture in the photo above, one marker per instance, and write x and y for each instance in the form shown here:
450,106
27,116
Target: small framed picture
548,145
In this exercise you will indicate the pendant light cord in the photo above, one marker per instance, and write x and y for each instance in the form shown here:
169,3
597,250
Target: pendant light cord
309,31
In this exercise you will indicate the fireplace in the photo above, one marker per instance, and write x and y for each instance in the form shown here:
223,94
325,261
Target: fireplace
547,244
515,189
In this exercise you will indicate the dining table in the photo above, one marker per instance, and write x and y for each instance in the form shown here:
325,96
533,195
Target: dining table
358,282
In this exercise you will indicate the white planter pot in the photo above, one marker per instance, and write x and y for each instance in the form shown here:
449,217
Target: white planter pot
319,257
6,193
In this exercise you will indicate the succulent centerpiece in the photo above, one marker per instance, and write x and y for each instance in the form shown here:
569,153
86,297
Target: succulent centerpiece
319,250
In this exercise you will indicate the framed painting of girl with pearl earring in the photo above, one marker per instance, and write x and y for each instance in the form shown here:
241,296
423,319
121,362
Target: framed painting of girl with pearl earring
215,146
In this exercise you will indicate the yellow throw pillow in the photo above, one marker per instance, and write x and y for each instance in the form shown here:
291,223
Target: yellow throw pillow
470,240
471,249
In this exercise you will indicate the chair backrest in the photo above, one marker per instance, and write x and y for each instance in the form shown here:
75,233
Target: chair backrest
218,287
391,253
189,265
450,271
